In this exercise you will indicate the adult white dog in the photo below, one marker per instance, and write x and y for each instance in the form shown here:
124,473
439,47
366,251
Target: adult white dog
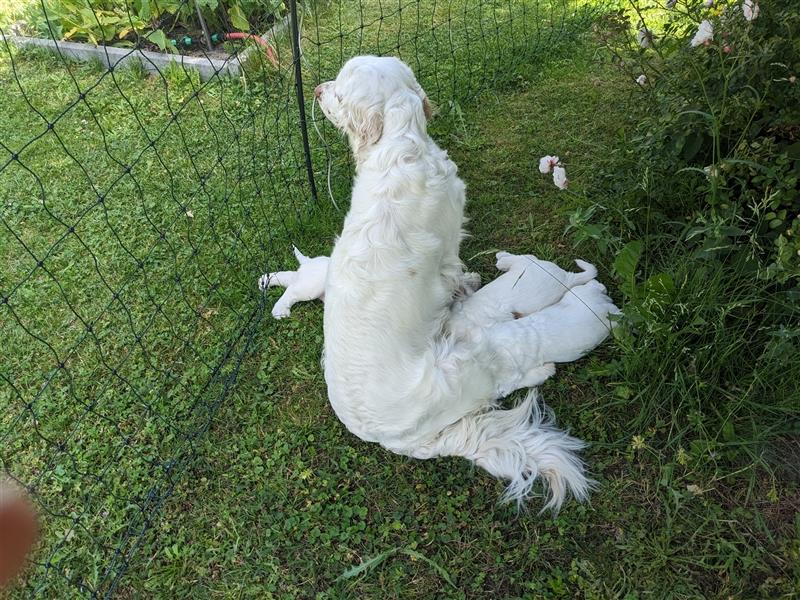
394,376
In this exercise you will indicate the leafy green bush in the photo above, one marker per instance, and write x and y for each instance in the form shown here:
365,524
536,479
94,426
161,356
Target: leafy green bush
699,222
722,124
131,22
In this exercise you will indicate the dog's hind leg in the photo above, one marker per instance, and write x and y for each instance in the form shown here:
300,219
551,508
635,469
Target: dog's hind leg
589,272
277,279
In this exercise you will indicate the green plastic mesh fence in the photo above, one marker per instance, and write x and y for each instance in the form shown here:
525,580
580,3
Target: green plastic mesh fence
141,200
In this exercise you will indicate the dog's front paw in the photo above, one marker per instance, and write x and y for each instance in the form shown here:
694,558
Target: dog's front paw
467,285
471,282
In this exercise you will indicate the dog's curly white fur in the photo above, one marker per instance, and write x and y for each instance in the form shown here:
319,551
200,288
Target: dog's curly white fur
394,376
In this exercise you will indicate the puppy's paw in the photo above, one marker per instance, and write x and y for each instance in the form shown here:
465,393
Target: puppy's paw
505,260
280,312
467,285
538,375
471,282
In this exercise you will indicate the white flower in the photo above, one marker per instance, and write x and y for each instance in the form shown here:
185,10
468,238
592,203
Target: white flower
644,37
708,3
560,177
704,35
642,80
546,163
750,9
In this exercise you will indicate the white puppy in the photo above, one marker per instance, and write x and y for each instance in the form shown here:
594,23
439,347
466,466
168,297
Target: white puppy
562,332
528,285
307,283
393,375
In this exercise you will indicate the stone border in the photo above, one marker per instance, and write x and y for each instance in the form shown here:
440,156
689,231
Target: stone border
153,62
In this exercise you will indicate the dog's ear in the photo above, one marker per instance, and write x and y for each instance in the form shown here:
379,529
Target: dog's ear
364,127
406,112
370,127
428,108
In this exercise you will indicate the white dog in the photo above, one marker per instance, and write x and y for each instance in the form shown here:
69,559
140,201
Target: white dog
393,375
307,283
527,286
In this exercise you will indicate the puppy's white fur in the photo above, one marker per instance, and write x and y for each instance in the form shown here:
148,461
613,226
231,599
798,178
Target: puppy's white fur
393,376
306,283
527,285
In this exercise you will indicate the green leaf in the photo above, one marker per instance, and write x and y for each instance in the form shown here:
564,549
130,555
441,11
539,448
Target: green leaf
159,38
625,266
728,433
660,286
376,560
238,18
366,565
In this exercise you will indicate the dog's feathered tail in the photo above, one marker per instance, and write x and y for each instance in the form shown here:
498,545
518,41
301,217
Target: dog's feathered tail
519,444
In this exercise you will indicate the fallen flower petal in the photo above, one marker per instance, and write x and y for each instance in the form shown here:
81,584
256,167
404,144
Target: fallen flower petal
704,35
560,177
546,163
641,80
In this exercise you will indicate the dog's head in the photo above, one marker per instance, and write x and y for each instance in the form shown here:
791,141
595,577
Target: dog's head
372,98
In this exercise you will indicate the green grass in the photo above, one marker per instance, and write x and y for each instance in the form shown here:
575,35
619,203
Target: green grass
696,457
287,501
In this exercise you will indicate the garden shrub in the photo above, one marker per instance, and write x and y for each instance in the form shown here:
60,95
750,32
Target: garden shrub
721,129
132,22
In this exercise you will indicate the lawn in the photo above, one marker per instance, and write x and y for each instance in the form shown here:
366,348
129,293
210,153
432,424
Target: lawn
186,444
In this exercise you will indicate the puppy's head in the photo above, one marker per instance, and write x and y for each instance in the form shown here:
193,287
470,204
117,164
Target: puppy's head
372,98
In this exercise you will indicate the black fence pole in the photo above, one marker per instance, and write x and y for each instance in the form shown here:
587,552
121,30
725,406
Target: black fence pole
298,82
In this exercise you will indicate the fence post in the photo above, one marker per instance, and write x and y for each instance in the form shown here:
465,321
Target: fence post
298,82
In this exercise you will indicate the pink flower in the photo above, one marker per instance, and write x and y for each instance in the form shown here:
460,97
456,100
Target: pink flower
546,163
560,177
726,49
